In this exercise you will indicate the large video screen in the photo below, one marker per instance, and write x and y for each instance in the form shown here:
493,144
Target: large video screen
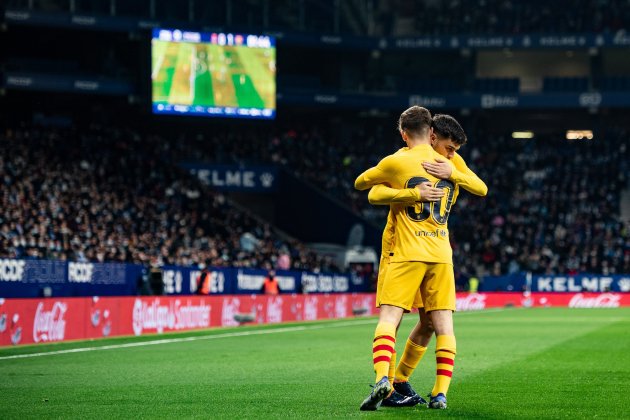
213,74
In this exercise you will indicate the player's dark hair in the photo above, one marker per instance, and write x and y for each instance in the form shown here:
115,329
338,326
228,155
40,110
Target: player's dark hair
416,121
447,127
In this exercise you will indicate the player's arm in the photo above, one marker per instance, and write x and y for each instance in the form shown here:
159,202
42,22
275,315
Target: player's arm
382,194
466,178
378,174
457,171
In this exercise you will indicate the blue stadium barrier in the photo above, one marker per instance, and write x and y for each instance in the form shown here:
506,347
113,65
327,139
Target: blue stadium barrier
37,278
557,283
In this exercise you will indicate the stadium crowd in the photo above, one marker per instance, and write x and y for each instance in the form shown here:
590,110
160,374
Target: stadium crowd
487,17
111,194
553,205
106,194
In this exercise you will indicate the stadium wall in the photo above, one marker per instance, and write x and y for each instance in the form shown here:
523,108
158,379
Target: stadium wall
38,278
32,321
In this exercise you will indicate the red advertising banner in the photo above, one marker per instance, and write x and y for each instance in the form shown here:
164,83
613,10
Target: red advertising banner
31,321
476,301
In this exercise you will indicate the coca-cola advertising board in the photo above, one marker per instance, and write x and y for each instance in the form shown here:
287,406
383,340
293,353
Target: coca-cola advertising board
477,301
31,321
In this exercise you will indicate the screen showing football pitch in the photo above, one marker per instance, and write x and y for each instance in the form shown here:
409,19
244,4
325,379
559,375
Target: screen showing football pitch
213,74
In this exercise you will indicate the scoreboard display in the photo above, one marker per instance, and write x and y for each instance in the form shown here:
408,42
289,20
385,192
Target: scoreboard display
213,74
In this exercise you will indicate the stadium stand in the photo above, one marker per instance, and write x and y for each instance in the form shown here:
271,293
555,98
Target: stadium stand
555,209
105,194
503,16
376,18
540,216
540,207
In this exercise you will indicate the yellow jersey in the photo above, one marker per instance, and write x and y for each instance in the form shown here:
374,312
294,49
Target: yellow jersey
382,194
421,230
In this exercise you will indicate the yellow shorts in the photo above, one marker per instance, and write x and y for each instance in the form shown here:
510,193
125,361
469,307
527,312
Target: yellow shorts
401,282
382,269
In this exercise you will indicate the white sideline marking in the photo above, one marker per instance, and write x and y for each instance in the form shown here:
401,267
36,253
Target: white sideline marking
213,336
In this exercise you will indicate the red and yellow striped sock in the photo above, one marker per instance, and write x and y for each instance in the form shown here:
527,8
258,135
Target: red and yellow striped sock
391,374
445,350
383,347
409,360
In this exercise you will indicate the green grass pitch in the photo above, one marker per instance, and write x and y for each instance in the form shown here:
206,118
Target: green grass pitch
186,73
513,363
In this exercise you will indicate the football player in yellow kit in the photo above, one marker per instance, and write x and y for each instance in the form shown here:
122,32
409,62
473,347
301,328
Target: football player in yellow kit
448,136
421,257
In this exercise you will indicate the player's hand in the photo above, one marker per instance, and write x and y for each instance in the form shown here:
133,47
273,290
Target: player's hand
439,169
429,193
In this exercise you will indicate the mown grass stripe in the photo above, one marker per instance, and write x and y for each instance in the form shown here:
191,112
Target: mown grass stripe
206,337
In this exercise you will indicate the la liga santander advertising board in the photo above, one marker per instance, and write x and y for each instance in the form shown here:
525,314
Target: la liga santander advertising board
30,321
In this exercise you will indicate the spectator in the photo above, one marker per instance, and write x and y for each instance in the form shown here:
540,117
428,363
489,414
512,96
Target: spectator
108,194
112,194
203,280
270,285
